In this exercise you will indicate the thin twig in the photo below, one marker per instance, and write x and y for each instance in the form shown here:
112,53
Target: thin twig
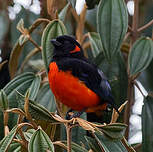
69,136
35,44
145,26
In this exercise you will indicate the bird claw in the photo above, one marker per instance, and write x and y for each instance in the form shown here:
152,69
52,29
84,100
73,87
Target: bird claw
74,115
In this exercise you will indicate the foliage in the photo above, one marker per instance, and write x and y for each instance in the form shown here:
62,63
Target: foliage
27,105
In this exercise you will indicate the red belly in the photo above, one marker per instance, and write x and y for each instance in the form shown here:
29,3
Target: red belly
70,90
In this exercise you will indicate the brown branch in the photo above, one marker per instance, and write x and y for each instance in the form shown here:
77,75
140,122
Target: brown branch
69,136
34,43
145,26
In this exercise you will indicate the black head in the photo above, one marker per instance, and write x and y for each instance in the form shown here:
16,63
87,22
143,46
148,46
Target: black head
66,45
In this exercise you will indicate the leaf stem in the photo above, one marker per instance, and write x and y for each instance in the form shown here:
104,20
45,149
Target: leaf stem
145,26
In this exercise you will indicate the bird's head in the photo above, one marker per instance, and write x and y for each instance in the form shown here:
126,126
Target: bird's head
66,46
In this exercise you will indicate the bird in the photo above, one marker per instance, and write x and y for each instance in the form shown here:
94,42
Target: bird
75,81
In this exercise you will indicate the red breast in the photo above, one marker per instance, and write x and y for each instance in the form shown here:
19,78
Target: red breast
70,90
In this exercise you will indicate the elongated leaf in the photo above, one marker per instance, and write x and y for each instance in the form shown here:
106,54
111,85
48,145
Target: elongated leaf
14,147
14,58
3,100
63,12
147,124
52,30
110,145
140,55
5,142
34,88
40,142
46,98
112,24
28,134
37,111
73,3
20,83
114,131
96,44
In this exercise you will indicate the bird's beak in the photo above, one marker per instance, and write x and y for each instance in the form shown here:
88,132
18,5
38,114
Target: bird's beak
55,42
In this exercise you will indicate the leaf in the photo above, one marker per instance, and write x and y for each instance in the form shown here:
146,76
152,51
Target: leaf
20,83
53,29
14,147
112,24
96,44
140,55
5,142
40,142
34,88
14,59
63,12
37,111
3,100
20,25
46,98
114,131
28,134
147,124
73,3
108,144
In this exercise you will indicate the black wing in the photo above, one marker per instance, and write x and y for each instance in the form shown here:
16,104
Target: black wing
90,75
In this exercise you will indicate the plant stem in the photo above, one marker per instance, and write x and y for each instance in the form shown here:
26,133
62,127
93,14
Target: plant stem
145,26
69,135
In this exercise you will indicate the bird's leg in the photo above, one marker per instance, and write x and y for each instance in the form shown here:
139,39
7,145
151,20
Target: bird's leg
67,114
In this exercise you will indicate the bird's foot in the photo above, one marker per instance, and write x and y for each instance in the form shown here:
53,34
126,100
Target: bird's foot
74,115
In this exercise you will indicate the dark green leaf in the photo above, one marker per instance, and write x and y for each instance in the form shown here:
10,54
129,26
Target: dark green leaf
114,131
34,88
147,124
140,55
112,24
14,147
63,12
40,142
3,100
5,142
20,83
108,144
46,98
52,30
96,44
37,111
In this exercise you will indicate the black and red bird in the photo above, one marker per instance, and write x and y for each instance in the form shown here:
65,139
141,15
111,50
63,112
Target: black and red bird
75,81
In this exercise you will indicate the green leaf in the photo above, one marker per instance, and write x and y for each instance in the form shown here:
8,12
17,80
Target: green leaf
37,111
6,141
63,12
3,100
34,88
46,98
76,147
114,131
140,55
96,44
147,124
73,3
20,83
112,24
14,147
28,134
108,144
53,29
40,142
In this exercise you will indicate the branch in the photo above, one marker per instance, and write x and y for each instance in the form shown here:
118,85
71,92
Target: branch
145,26
69,136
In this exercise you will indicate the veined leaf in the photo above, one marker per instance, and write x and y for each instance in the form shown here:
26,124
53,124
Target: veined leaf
53,29
40,142
63,12
6,141
3,100
140,55
112,24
